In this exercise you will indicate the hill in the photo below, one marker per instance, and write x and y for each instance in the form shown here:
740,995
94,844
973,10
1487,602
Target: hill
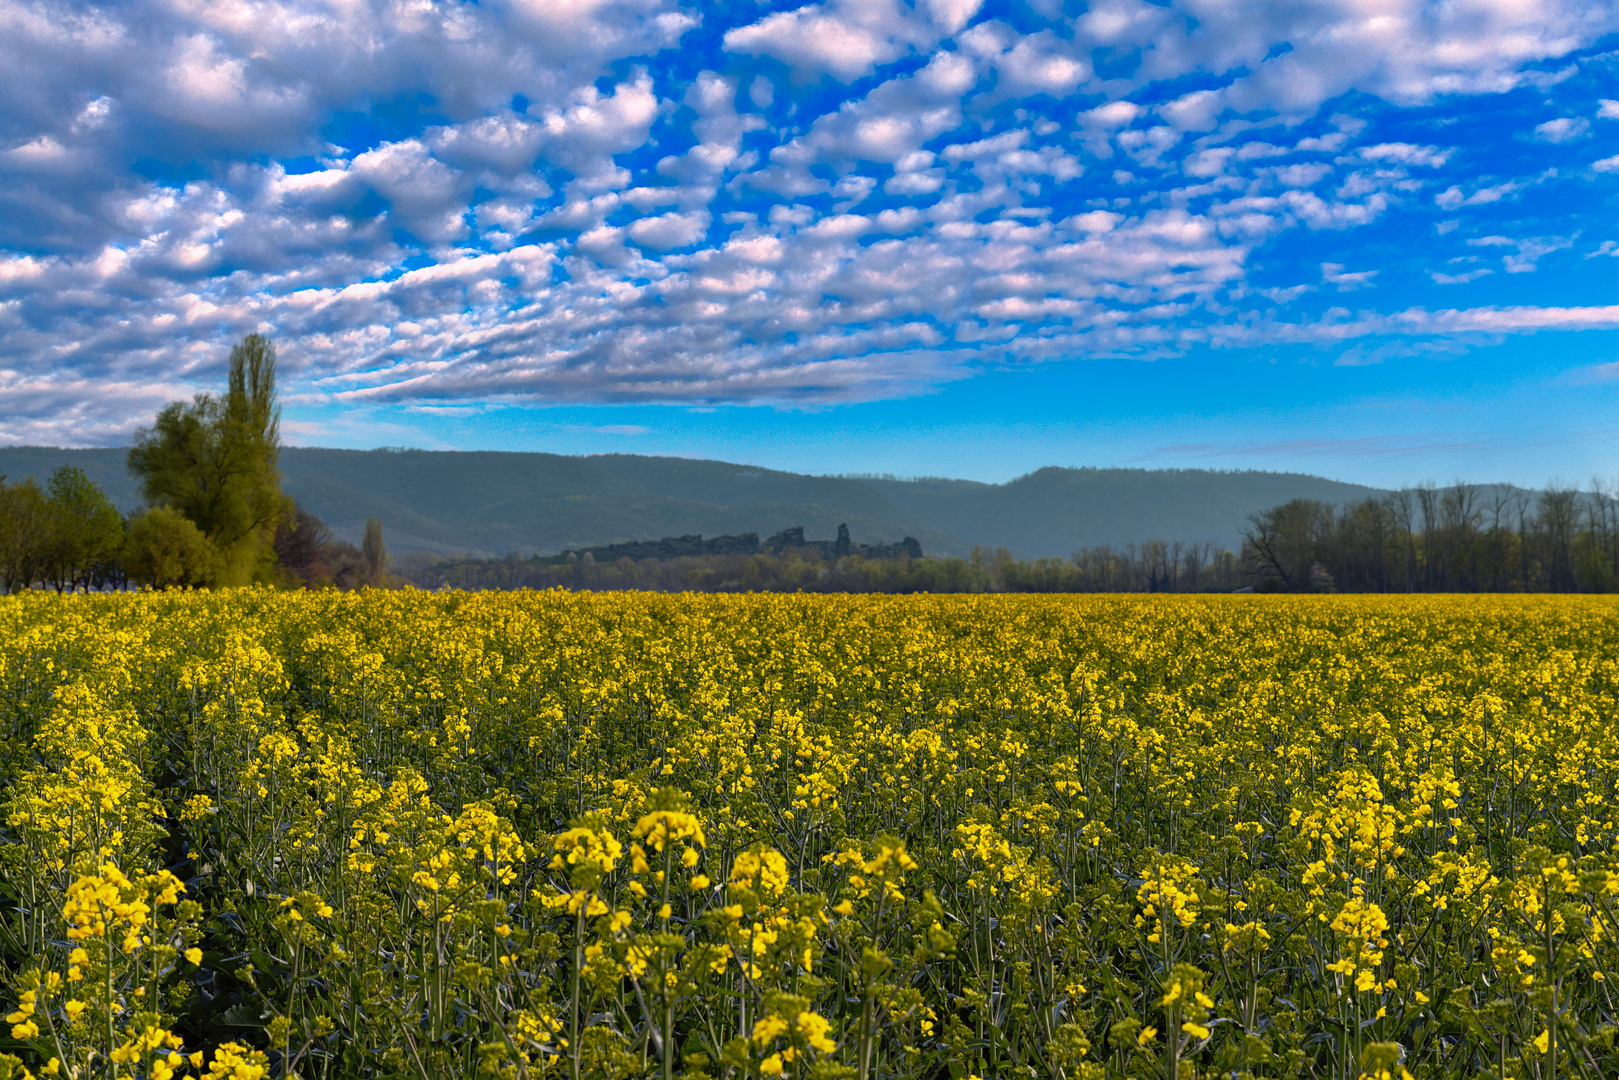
488,503
1054,511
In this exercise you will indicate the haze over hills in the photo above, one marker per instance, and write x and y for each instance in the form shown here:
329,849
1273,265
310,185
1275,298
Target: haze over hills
1054,511
488,503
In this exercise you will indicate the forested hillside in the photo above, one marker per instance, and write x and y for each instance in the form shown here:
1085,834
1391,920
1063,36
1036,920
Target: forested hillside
489,503
1053,512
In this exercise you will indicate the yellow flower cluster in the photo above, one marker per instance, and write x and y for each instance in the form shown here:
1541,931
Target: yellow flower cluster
254,834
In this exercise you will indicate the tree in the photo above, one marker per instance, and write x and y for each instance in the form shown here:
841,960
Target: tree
1502,537
1557,518
374,550
302,541
1281,542
25,527
86,532
214,460
165,549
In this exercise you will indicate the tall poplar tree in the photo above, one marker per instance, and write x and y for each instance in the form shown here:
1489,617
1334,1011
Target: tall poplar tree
374,551
214,460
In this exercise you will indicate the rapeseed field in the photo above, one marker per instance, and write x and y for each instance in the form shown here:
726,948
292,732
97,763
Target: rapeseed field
252,834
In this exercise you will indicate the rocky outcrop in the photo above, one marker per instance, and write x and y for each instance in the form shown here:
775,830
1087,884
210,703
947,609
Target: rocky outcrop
693,545
908,548
787,538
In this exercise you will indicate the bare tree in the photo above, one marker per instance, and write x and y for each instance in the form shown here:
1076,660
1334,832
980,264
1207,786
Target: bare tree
1402,503
1458,526
1520,507
1500,510
1195,557
1281,542
1557,516
1602,518
1427,494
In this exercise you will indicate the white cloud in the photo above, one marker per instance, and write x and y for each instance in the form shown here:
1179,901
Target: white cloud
1334,274
761,250
1319,213
1406,154
719,130
888,125
1122,22
1563,129
583,135
839,227
1303,175
207,85
1252,150
1197,111
1405,51
43,154
1507,319
951,15
1525,258
425,194
1096,221
1038,63
918,182
1210,162
1441,278
188,80
1286,295
551,210
670,230
506,142
1041,66
846,39
1454,196
852,190
1005,142
1148,146
1115,114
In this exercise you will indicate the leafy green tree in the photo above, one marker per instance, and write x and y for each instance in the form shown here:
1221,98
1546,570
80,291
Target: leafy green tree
165,549
25,526
214,460
86,531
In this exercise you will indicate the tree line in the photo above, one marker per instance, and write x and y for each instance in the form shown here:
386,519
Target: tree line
1460,538
214,512
1156,566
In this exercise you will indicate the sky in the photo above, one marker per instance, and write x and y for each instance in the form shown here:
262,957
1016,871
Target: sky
1376,240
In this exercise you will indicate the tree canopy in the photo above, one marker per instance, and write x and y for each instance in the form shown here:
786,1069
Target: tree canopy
165,550
214,461
85,532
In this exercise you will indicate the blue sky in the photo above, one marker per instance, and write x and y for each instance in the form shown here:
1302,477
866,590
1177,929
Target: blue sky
1372,240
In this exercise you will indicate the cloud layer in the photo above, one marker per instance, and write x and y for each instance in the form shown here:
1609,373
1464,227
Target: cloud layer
439,202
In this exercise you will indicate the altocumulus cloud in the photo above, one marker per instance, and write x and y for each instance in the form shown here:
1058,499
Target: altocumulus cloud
441,204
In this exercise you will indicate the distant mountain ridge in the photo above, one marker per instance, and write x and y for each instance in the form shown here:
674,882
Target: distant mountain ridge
488,503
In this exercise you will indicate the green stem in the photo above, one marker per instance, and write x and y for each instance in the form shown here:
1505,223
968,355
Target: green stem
578,962
668,1006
